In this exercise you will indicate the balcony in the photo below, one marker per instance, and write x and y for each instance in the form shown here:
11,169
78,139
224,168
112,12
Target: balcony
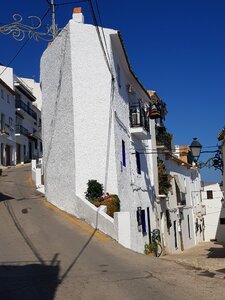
139,123
21,130
163,137
24,107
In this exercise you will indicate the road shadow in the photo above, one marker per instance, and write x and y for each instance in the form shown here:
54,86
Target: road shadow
218,251
30,281
4,197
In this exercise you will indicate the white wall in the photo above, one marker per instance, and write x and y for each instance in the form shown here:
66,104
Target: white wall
84,124
190,179
7,107
214,211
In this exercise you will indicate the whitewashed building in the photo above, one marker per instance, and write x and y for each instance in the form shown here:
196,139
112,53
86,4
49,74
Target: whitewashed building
7,125
96,126
212,198
181,210
22,117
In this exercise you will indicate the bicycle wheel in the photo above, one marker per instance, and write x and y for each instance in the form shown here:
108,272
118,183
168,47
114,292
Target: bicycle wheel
159,250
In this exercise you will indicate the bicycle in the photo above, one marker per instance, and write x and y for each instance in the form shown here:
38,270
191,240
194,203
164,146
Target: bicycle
156,240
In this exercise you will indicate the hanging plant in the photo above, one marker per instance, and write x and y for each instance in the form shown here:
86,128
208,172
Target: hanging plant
163,137
164,178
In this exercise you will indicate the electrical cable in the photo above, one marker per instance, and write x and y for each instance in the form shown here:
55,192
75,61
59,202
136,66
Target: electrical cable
99,37
72,2
100,22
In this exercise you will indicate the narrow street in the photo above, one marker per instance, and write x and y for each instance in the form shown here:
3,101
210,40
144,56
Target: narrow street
46,255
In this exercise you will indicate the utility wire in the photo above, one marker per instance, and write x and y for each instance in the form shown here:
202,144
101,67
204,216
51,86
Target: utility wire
68,3
99,37
100,22
22,47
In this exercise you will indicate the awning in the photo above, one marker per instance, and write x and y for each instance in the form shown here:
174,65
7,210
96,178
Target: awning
180,183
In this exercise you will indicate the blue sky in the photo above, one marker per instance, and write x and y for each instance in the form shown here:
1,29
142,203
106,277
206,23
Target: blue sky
175,47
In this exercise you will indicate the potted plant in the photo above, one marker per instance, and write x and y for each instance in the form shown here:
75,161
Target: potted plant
149,249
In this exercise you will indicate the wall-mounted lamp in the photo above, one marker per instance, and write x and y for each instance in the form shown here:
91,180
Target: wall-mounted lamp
215,161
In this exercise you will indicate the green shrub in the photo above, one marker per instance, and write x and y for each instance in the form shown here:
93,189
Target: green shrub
94,190
149,248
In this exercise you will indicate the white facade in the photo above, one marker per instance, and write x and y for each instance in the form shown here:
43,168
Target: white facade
7,125
22,118
181,213
87,132
212,195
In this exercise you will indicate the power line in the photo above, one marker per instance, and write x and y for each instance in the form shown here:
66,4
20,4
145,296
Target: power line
68,3
100,21
99,37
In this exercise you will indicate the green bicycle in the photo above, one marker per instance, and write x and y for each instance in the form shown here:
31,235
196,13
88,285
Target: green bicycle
156,240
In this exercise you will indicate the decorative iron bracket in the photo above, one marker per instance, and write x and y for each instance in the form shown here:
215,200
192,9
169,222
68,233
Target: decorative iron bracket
19,30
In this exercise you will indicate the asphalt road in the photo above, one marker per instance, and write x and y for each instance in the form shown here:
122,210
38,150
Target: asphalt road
45,254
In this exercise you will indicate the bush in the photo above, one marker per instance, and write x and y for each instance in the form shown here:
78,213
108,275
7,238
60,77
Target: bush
94,190
149,248
111,201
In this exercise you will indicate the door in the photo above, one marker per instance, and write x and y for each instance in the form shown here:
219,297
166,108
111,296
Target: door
175,233
30,150
18,154
7,154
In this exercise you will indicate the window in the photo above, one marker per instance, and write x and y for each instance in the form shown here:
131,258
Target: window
123,154
10,121
118,76
222,221
2,94
189,231
41,146
8,99
209,194
35,144
2,121
138,161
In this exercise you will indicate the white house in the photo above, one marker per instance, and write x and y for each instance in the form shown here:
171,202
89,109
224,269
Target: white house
212,194
22,117
7,125
181,211
96,126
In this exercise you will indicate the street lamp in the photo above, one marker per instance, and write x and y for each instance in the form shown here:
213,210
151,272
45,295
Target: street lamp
215,161
195,148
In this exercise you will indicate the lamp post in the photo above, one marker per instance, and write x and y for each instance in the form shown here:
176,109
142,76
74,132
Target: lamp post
215,161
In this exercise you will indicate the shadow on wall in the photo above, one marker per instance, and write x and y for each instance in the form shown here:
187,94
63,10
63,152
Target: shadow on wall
29,281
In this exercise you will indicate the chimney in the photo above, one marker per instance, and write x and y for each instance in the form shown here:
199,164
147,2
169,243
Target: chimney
184,153
78,17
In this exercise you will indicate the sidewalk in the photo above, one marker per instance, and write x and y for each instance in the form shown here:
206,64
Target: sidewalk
207,256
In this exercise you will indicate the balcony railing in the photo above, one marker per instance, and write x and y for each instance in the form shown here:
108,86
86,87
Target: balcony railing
26,108
21,130
163,138
138,118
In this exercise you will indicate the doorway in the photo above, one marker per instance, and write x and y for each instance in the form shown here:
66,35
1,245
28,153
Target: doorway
18,154
7,154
